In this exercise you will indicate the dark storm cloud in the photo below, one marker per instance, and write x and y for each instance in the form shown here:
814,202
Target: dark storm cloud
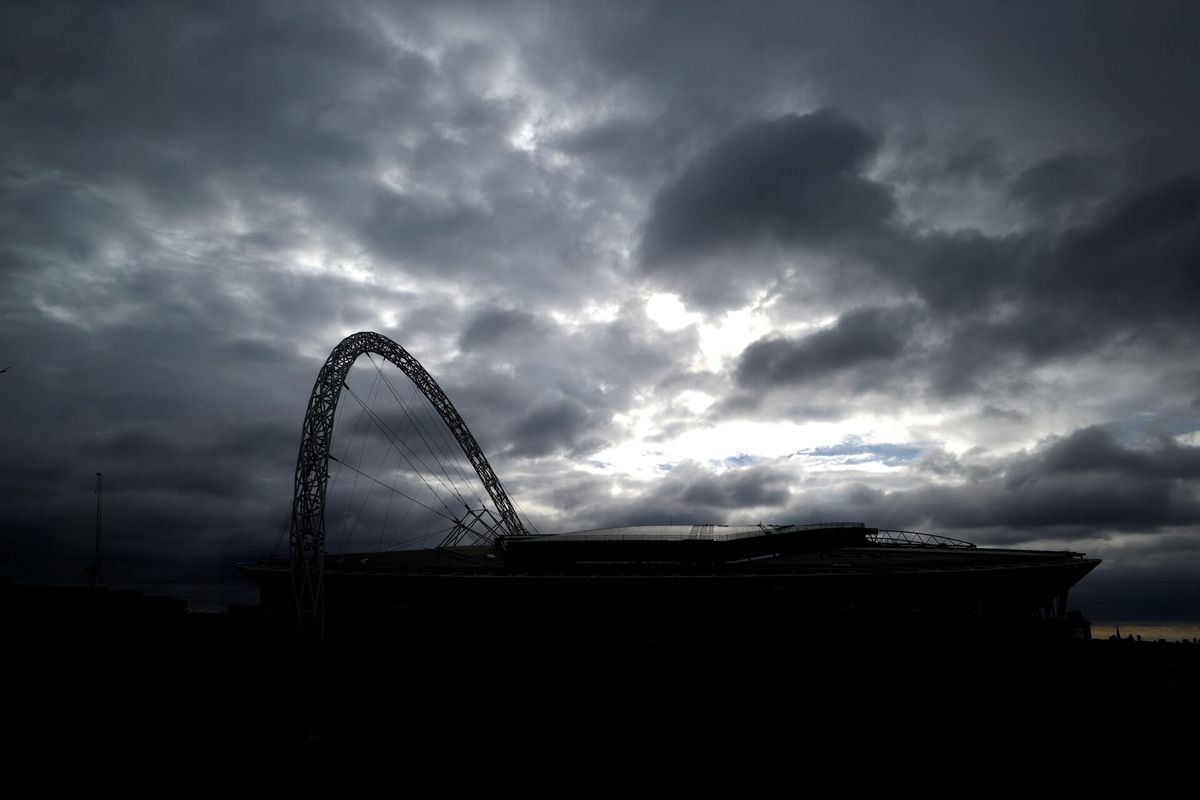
749,488
195,456
1138,257
956,274
690,494
978,159
1078,486
1094,449
1005,67
1081,503
1057,186
793,179
757,185
1125,276
1121,276
554,428
860,337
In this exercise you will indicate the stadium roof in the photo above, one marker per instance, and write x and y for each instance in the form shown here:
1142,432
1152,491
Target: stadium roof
665,533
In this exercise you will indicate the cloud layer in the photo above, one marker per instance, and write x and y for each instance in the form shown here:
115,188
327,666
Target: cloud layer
928,266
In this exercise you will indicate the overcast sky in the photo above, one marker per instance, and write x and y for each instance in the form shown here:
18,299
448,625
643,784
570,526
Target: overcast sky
931,265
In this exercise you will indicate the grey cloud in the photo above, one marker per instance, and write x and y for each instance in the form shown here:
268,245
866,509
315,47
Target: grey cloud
430,233
1120,280
1055,188
978,158
1135,261
195,432
750,488
631,147
1155,210
1080,484
495,327
558,427
690,494
794,179
1126,263
1093,449
130,90
532,386
963,272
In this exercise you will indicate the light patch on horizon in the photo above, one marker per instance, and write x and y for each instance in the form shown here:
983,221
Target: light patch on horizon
750,439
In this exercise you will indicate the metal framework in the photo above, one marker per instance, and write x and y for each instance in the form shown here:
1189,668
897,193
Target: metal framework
918,539
312,470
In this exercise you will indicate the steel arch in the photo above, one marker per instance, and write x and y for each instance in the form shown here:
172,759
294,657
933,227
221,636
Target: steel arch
312,472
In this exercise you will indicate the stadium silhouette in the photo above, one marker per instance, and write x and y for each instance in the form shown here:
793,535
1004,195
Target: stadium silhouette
821,601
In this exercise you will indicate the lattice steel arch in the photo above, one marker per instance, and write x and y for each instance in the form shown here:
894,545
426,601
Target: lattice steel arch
312,472
918,539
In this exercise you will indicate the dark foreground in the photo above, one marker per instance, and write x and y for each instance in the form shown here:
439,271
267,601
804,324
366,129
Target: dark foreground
102,666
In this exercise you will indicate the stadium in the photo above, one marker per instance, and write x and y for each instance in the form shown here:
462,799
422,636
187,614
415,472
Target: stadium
494,573
648,616
802,570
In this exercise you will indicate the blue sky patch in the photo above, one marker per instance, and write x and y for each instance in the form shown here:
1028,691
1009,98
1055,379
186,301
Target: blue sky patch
853,450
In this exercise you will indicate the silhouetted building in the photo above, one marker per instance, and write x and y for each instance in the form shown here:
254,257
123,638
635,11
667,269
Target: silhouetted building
801,570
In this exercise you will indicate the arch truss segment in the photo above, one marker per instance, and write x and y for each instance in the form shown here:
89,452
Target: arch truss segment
312,463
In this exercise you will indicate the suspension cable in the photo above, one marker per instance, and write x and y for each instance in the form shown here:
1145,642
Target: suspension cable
391,437
419,428
340,425
397,491
347,529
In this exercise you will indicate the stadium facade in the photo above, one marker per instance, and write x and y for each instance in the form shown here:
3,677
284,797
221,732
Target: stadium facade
808,570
